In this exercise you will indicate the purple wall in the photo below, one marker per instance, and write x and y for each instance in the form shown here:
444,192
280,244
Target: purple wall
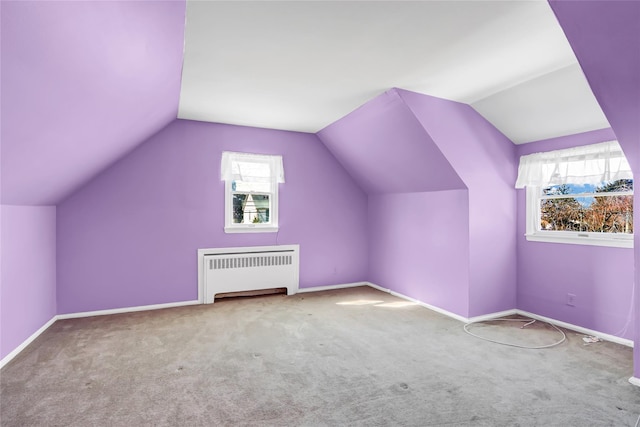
485,160
86,81
384,148
419,246
404,142
604,37
28,272
130,236
601,278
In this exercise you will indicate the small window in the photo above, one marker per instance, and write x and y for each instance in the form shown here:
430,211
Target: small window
251,191
582,195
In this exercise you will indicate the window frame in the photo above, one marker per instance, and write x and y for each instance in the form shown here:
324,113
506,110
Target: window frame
534,196
232,227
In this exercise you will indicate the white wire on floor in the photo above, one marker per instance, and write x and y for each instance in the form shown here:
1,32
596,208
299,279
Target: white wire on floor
527,323
622,331
638,422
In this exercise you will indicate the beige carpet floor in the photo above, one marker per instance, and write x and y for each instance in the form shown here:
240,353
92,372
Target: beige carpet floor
356,357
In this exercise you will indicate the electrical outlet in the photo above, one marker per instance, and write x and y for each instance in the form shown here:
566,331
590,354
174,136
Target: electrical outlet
571,300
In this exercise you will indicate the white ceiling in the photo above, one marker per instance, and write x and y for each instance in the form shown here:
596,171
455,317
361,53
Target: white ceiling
303,65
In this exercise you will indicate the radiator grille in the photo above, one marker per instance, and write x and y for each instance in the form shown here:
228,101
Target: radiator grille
247,269
250,261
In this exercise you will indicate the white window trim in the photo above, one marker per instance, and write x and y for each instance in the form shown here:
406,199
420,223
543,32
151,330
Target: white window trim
231,227
534,234
276,177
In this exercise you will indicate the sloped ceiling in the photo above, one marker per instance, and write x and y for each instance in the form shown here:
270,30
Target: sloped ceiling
406,142
303,65
85,82
606,39
386,150
82,84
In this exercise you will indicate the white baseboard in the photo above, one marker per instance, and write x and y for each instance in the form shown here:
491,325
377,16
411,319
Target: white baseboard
580,329
635,381
418,302
491,316
126,309
44,327
446,312
485,317
26,342
415,301
328,288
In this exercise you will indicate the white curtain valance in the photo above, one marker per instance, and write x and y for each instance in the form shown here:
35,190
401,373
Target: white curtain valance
251,167
590,164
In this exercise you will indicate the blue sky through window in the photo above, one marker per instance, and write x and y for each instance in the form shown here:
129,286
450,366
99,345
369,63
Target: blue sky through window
575,188
570,189
585,202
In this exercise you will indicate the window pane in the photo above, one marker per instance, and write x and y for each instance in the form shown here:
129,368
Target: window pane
602,214
560,214
251,209
569,189
610,215
603,187
615,186
262,205
238,207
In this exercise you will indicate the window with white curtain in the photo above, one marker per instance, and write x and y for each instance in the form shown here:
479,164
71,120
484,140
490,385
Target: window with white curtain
251,191
581,195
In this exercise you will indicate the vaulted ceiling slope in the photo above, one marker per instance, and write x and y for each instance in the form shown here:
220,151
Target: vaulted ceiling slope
406,142
386,150
304,65
85,82
606,39
82,84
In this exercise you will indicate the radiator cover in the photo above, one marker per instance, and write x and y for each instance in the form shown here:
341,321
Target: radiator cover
224,270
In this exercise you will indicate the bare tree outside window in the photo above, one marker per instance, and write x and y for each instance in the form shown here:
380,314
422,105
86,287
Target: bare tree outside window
605,208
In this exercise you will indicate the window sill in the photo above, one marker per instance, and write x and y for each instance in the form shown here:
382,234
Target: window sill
576,240
249,228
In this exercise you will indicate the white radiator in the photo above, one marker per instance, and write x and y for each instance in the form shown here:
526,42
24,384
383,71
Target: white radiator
247,269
